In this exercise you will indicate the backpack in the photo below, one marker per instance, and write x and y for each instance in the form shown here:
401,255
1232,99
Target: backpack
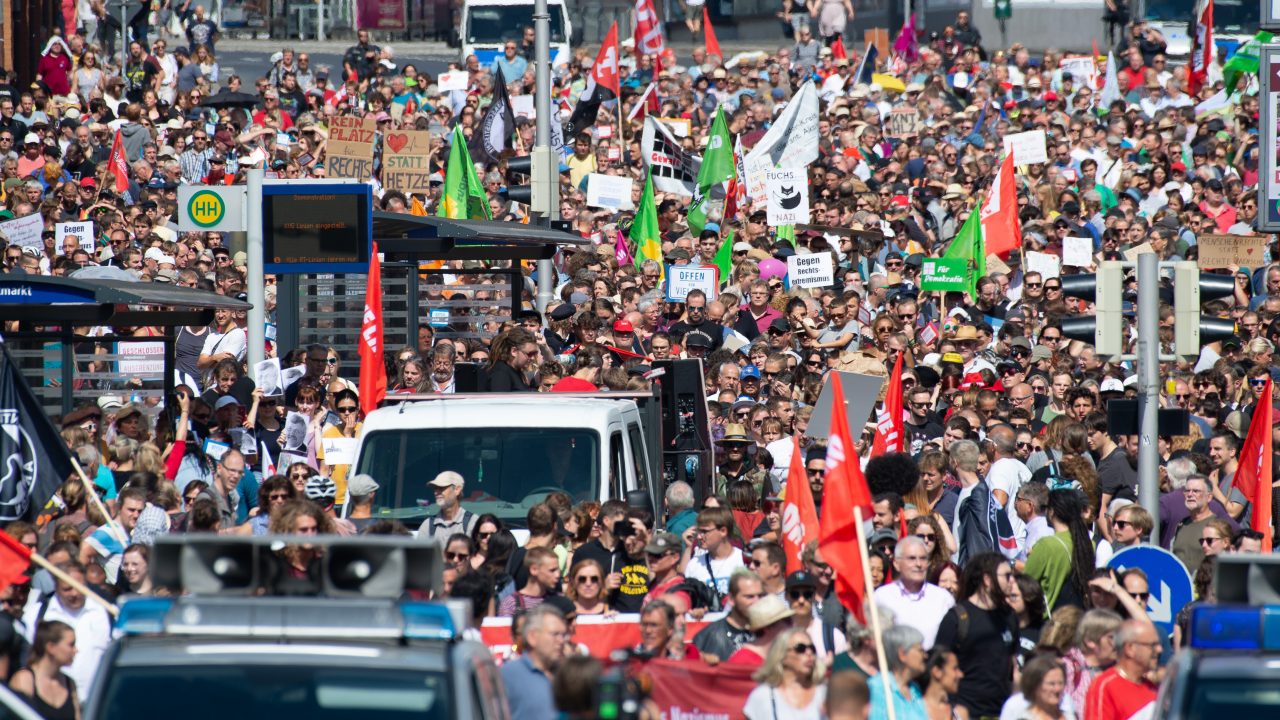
985,525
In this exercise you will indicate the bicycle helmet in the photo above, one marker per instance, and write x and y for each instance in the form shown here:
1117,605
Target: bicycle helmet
320,489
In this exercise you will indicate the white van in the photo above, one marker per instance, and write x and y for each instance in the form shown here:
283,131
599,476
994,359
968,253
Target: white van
512,449
487,24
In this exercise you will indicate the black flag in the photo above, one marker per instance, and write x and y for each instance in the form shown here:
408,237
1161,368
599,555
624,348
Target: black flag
585,112
33,457
490,139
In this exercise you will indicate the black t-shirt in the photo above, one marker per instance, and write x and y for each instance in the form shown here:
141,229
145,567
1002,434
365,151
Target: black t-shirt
985,644
12,644
1116,477
504,378
714,330
721,639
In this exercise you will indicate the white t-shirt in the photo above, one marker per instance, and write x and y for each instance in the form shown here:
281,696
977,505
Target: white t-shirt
235,341
722,569
766,703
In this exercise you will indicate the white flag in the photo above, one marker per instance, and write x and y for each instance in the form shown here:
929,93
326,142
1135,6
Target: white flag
791,142
1111,88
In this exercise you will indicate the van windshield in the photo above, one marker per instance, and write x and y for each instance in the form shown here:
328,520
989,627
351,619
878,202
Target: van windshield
507,470
496,24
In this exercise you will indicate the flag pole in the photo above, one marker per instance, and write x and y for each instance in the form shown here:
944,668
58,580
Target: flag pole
78,586
92,492
875,611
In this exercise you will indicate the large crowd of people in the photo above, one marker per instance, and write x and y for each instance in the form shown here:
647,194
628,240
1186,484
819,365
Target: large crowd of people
1001,409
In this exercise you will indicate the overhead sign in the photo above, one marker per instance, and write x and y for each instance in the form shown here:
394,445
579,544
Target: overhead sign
1269,157
811,271
1169,581
788,192
682,279
316,227
211,207
1224,251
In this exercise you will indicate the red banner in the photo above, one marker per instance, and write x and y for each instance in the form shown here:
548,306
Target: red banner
692,689
598,635
380,14
649,40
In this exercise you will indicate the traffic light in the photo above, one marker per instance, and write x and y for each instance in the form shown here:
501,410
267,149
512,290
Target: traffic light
522,165
1105,328
1190,289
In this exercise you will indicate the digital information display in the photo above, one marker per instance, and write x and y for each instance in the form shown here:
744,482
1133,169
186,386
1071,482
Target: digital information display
313,228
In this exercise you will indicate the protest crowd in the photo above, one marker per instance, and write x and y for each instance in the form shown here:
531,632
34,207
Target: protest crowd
993,488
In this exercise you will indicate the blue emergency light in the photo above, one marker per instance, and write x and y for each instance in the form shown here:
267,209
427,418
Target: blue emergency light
143,616
1235,627
154,616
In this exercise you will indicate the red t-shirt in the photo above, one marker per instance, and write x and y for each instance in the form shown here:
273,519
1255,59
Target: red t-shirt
745,656
1111,696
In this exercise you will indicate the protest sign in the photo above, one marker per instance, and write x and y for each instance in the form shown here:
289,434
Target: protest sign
673,170
1027,147
682,279
450,81
522,106
24,231
680,127
1077,251
609,191
1132,253
406,161
945,275
266,375
788,196
1049,266
349,151
338,451
903,121
1222,251
791,142
141,359
811,271
83,232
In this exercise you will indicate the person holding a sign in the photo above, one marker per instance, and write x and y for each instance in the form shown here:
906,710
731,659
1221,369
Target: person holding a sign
340,440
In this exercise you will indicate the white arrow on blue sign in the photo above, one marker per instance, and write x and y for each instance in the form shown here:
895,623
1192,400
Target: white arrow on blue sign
1168,580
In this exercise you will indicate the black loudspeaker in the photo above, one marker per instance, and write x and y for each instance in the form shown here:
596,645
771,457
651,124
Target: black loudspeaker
466,377
1125,418
686,450
380,570
1247,579
212,565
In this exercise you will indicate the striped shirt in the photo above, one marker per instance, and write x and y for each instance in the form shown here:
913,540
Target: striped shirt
194,165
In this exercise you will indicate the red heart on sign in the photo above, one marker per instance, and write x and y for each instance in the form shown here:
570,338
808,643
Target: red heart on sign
397,141
1248,251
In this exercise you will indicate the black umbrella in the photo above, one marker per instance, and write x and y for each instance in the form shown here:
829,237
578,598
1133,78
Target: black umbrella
230,99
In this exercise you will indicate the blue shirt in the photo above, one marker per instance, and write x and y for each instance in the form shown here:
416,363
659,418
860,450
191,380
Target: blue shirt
529,691
904,708
512,70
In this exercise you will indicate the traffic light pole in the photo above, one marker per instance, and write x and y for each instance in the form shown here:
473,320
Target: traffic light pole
545,166
1149,385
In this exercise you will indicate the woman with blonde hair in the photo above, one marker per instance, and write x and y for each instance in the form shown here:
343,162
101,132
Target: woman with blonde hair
790,681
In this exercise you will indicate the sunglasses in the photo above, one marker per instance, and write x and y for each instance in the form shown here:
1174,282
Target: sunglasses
927,537
456,556
1209,541
804,648
347,409
595,579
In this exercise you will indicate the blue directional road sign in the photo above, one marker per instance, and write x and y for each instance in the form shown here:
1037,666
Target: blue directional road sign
1170,583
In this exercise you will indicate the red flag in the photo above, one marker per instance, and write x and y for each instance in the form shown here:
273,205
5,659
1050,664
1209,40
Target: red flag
605,69
1201,47
1095,50
844,489
902,523
837,49
1253,475
799,517
117,164
649,40
890,434
713,45
373,372
646,104
15,560
1001,231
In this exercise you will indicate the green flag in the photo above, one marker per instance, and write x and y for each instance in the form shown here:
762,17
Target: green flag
463,197
717,167
644,233
724,258
1244,61
968,246
786,232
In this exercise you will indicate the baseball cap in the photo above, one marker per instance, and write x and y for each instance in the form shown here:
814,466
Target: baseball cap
226,401
663,543
362,484
801,579
110,402
623,326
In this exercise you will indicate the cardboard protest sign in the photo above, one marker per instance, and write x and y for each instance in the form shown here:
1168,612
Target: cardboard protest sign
406,161
903,121
1220,251
1132,253
82,231
349,151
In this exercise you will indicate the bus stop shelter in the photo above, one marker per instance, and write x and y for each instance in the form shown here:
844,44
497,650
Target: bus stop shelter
63,351
327,308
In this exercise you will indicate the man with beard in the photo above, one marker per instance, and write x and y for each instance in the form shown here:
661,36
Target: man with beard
443,357
695,318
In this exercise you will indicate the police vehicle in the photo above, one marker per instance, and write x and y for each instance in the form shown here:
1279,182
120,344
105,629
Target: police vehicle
1231,668
249,639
